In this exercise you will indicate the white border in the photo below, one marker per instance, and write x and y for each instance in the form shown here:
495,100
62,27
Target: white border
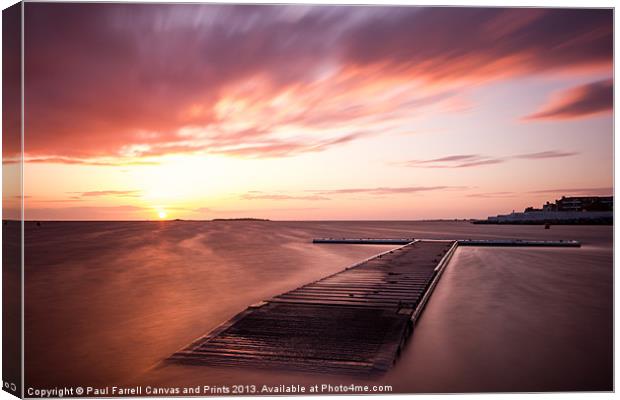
505,3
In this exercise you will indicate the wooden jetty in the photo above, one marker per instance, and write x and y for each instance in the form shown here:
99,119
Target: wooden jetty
352,322
461,242
362,241
519,243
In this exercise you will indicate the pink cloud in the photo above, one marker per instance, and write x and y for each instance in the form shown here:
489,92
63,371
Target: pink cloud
578,102
454,161
107,162
268,196
476,160
107,82
492,195
600,191
380,191
104,193
479,44
87,213
546,154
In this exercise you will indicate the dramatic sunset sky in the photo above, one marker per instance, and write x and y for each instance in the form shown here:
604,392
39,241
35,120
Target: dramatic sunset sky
312,112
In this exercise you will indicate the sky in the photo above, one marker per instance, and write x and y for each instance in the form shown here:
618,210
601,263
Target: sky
154,111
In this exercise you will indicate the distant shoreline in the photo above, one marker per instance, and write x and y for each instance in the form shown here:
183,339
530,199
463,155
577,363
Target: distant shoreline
468,220
240,219
601,221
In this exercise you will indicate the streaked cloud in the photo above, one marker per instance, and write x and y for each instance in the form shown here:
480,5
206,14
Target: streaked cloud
322,194
457,157
329,194
267,81
598,191
105,193
476,160
380,191
271,149
578,102
72,199
81,161
479,44
89,213
492,195
546,154
453,161
256,195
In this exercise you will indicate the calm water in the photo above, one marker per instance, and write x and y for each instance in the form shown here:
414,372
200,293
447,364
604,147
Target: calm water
107,301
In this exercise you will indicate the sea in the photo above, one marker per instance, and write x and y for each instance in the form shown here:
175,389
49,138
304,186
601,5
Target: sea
107,302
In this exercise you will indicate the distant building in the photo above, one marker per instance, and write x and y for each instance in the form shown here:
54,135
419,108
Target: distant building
587,203
567,210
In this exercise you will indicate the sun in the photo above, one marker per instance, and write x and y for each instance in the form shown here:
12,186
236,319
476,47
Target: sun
162,214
